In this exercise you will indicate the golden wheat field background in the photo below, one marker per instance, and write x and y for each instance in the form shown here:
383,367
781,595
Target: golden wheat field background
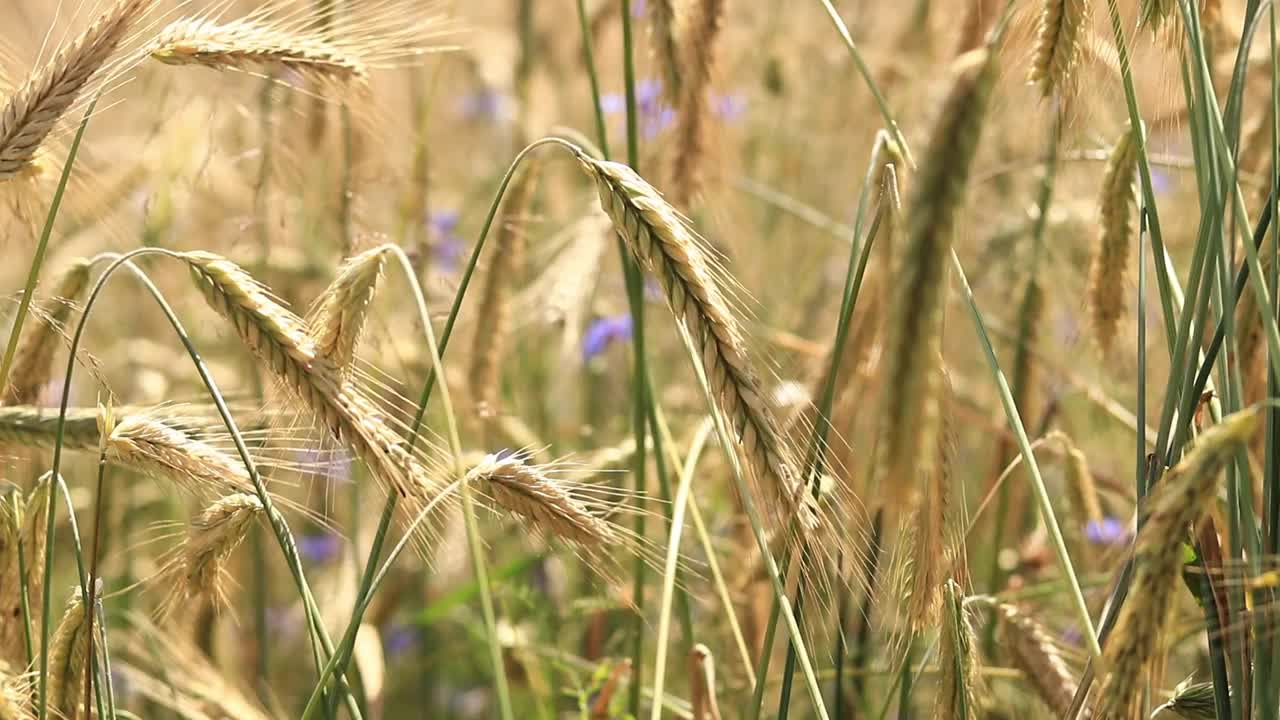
594,359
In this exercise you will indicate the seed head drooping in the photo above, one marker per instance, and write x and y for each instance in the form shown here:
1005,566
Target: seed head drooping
1177,504
338,321
912,377
1059,34
959,667
198,567
251,44
691,111
543,502
35,108
1033,651
1109,269
664,246
68,652
33,359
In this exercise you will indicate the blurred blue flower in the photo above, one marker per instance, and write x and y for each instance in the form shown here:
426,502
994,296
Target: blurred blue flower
319,547
652,290
1162,182
638,7
333,465
1108,531
447,246
401,639
603,331
655,116
485,104
729,107
285,622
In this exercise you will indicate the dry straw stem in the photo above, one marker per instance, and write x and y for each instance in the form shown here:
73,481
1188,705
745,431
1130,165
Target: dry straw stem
959,667
35,108
662,34
1179,503
664,246
1109,269
691,113
1031,649
546,504
912,376
702,684
33,359
198,566
280,341
338,321
68,651
1058,38
493,326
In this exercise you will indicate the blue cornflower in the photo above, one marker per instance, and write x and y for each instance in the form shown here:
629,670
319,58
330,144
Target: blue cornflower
655,115
1107,531
603,331
485,104
447,246
333,465
321,547
729,107
401,639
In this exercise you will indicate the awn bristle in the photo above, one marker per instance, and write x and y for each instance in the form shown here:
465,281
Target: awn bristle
662,33
664,246
1107,275
691,113
68,652
33,359
1190,701
913,374
1178,503
198,567
15,700
1032,650
254,45
35,108
338,322
493,326
1058,38
702,684
546,504
959,667
1155,12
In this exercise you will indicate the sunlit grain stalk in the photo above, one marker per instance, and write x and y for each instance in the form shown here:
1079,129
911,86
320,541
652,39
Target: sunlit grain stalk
197,568
1109,268
692,114
33,360
254,44
35,109
338,322
1058,37
959,666
1176,505
910,418
493,325
665,247
1032,650
544,503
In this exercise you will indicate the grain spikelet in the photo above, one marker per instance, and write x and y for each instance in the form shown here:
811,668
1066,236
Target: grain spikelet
35,108
544,503
152,447
68,651
911,414
493,326
1081,490
1109,270
1190,701
1032,650
337,324
14,698
959,669
1154,13
248,44
691,111
702,684
1176,505
662,34
12,508
1058,38
197,567
33,359
664,246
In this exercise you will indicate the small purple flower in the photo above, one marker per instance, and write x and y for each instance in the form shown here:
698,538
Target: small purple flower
604,331
652,290
1071,636
401,639
447,245
655,116
485,104
320,547
1162,181
730,107
333,465
638,7
1108,531
285,622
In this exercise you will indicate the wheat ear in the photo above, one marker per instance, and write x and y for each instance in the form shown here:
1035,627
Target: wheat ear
691,113
1111,259
1081,489
547,505
197,568
252,44
959,667
493,326
12,650
913,375
662,34
15,699
1032,650
35,108
68,651
33,359
1175,506
338,321
1058,37
663,245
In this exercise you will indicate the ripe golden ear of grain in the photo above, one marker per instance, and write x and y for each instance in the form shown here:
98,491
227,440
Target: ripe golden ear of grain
1109,269
1059,34
1032,650
959,667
